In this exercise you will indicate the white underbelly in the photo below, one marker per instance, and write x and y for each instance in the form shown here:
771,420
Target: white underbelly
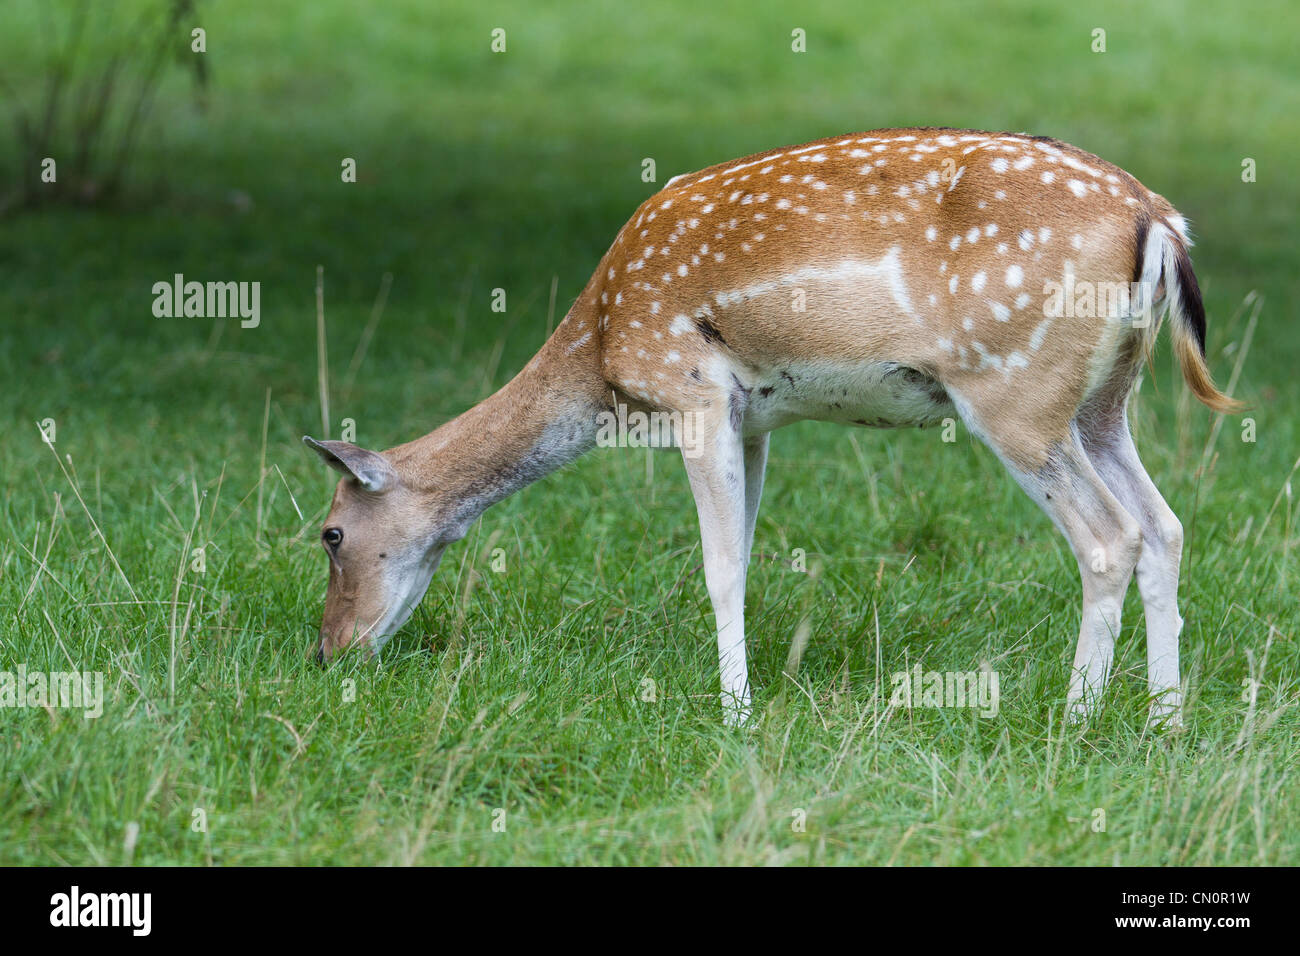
868,394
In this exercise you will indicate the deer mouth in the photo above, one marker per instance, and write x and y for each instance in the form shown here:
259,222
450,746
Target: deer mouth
409,588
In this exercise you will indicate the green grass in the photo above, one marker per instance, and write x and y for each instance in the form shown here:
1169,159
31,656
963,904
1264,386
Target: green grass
522,690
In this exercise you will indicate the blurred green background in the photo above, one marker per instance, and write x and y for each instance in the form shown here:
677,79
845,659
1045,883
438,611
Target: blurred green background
479,170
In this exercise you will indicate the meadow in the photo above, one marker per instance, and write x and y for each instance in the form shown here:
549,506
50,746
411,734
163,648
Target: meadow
553,700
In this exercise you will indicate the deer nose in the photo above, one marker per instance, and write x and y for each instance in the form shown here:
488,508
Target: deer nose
320,654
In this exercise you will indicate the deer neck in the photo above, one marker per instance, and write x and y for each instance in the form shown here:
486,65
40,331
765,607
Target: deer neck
544,418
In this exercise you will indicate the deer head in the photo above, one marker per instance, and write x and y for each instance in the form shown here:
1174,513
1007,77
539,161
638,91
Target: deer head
383,539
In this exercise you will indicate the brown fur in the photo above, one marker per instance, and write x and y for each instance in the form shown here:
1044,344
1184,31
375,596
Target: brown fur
718,210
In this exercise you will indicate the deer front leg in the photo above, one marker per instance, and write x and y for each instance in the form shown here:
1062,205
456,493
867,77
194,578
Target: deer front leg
717,477
755,466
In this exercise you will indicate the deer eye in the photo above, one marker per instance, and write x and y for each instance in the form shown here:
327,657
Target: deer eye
332,537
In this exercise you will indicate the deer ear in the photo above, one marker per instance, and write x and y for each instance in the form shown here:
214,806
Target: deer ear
368,469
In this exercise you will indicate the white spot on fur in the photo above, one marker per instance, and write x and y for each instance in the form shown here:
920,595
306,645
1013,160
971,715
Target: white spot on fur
1040,333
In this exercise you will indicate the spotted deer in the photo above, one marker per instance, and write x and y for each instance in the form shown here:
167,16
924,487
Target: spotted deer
884,279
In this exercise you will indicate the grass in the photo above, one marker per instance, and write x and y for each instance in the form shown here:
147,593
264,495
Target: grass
518,697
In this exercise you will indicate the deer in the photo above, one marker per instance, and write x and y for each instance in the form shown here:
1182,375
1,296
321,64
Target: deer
939,274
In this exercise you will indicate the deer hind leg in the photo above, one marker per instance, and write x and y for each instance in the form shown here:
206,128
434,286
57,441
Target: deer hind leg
1109,445
718,481
1105,538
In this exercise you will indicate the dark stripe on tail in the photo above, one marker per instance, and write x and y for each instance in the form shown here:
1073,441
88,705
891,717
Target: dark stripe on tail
1143,228
1193,307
